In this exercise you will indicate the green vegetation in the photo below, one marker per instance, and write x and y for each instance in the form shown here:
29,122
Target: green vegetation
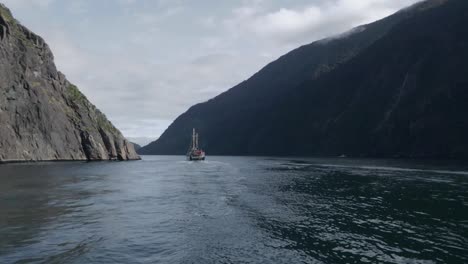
75,95
104,123
80,100
35,84
70,113
6,14
15,28
21,36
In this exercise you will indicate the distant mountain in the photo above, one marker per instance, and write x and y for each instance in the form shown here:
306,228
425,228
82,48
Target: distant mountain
42,115
396,87
136,146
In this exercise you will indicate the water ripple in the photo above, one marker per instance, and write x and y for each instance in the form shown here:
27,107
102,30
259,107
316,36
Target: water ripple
234,210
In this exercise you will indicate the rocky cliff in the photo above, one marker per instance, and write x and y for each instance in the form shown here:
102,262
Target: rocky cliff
42,115
393,88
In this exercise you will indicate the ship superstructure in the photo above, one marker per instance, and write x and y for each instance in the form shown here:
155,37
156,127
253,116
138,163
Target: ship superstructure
194,152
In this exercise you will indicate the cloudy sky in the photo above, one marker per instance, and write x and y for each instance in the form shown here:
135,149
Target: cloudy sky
144,62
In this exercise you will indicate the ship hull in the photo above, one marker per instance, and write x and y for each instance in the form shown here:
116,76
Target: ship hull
196,157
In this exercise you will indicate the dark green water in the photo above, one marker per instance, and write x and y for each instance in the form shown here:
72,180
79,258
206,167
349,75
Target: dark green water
234,210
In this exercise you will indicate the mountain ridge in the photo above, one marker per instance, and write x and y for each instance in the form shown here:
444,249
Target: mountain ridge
246,128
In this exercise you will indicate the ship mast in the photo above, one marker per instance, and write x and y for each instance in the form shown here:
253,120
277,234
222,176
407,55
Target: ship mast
193,139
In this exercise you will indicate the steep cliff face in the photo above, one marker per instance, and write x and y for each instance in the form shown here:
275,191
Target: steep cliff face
228,120
396,87
42,115
404,96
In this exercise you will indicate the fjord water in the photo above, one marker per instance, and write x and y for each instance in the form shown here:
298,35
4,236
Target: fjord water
234,210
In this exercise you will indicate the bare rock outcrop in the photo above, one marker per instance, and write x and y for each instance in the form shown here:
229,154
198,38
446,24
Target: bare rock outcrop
42,115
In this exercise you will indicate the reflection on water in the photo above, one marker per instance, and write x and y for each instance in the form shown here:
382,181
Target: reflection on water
232,209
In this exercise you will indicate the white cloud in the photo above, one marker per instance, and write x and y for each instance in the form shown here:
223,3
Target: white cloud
287,21
311,22
145,62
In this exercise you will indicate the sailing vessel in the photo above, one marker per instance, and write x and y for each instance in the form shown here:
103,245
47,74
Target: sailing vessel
194,153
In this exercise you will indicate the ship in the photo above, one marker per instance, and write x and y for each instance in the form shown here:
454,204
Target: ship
194,152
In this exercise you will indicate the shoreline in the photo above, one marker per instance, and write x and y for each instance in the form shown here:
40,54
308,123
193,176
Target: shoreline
60,161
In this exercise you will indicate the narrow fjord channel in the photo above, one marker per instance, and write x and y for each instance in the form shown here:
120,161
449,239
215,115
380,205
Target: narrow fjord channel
234,210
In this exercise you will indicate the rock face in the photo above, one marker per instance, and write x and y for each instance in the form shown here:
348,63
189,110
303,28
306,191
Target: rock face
42,115
394,88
